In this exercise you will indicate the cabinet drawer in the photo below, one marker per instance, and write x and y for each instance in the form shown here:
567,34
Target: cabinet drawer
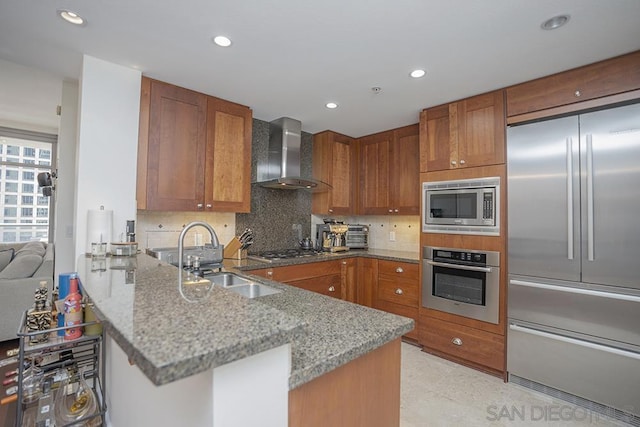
326,285
398,269
462,342
305,271
403,292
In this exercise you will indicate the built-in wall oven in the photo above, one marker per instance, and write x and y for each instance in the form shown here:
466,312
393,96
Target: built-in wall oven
462,281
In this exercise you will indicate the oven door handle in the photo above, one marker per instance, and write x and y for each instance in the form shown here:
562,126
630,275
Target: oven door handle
458,266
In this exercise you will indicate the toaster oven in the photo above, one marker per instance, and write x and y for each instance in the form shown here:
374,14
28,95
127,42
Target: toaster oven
358,236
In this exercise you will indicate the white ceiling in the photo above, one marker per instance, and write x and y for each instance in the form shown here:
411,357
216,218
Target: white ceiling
290,57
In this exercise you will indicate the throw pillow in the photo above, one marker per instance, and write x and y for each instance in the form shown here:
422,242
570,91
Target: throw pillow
21,266
32,248
5,258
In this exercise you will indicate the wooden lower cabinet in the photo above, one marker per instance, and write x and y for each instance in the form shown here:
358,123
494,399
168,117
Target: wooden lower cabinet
468,346
327,285
397,290
364,392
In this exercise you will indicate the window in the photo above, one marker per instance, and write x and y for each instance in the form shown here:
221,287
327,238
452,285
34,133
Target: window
26,154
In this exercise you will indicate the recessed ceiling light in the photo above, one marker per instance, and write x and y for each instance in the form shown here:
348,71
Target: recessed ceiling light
331,105
71,17
222,41
555,22
416,74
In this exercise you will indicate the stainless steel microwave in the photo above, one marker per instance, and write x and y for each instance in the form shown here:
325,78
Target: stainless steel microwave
469,206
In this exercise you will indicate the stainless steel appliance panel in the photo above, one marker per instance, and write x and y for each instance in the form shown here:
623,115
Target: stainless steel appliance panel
610,157
594,371
592,310
543,194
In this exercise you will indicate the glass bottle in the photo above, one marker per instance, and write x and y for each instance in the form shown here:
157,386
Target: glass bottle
82,404
73,311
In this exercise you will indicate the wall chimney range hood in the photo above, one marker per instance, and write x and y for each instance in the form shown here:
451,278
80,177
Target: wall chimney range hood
281,170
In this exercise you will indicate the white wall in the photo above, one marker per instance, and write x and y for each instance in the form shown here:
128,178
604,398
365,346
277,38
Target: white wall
109,111
65,185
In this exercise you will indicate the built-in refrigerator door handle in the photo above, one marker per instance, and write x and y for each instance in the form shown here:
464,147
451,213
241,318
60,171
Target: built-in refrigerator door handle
574,341
590,236
581,291
569,198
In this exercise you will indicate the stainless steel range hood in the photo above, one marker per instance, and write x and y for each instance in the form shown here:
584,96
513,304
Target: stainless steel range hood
282,168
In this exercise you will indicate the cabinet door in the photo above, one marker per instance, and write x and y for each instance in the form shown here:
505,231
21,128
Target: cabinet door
325,285
367,281
481,130
228,157
176,148
405,171
348,273
374,173
435,139
334,163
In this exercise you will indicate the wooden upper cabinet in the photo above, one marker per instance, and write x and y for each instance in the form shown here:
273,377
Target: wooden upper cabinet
175,147
334,162
375,163
602,79
405,171
390,172
194,151
228,157
467,133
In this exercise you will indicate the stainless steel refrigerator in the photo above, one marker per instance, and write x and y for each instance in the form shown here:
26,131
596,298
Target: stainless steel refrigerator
574,258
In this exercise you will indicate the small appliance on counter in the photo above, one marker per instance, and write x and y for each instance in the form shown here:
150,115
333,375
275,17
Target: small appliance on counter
357,236
332,237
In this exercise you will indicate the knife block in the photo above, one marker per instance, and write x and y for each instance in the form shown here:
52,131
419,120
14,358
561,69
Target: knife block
232,249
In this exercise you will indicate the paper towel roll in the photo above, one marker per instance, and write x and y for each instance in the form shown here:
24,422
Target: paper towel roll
99,225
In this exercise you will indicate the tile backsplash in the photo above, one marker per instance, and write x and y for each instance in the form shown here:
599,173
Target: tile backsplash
405,227
162,229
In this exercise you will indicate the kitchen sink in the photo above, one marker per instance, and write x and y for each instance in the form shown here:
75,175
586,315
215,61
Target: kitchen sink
241,285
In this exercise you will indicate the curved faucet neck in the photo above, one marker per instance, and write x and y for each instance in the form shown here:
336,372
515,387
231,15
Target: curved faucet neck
214,242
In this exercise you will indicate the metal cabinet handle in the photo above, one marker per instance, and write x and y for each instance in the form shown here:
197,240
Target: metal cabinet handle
456,341
208,205
395,210
577,94
399,270
462,162
199,206
269,273
332,288
330,210
453,162
344,262
399,291
390,210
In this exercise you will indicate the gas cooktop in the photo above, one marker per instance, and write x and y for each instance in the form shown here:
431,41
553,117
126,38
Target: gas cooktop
270,256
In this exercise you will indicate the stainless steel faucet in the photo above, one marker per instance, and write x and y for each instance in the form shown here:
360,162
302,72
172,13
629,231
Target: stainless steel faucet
214,242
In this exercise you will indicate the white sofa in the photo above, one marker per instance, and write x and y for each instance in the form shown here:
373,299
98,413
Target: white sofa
22,267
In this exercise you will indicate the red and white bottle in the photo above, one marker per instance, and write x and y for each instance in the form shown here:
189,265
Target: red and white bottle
73,311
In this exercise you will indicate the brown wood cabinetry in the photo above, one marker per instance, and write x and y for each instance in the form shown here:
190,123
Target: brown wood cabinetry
568,91
468,346
389,172
463,134
332,278
192,151
397,290
367,281
334,162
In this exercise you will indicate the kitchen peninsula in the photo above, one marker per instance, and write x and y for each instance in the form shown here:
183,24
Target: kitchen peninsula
218,358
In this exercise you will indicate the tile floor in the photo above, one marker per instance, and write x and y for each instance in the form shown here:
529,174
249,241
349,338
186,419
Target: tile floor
436,392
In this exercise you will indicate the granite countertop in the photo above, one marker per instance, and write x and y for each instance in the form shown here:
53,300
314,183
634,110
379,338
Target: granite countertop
169,338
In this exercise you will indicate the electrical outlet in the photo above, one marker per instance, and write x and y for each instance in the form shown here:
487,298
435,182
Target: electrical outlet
392,236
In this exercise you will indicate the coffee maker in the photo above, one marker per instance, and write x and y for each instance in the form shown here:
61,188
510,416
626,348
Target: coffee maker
332,237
